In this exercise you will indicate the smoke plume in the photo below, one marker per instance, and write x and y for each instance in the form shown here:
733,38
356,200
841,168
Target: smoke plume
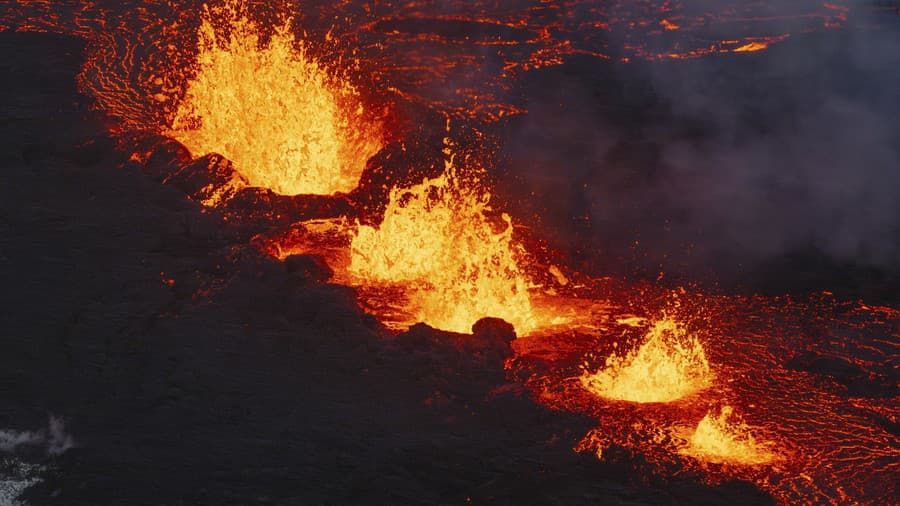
729,161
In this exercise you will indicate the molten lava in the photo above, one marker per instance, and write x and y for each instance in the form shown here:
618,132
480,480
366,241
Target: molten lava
669,365
819,376
459,266
726,439
272,109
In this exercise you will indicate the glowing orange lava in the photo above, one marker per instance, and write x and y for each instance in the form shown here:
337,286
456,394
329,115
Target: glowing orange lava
727,439
750,47
436,239
753,45
271,108
669,365
668,25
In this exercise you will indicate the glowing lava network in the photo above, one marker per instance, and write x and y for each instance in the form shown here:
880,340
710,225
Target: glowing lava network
249,86
794,433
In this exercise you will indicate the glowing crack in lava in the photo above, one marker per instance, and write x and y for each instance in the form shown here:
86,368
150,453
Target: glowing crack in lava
437,241
726,439
271,108
669,365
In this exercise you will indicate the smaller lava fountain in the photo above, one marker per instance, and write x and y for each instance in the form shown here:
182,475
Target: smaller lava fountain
671,364
458,265
272,109
726,439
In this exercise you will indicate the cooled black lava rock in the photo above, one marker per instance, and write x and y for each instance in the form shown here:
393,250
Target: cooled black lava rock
859,381
492,338
486,349
209,171
494,329
157,156
306,268
397,165
262,205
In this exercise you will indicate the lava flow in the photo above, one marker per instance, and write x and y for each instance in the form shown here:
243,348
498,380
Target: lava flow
272,109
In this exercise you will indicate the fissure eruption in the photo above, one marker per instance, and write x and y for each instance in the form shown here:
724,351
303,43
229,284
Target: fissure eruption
299,125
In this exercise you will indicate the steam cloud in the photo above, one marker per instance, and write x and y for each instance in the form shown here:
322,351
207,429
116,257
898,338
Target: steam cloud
54,438
753,157
807,158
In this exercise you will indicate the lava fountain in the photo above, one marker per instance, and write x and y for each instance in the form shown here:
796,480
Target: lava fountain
669,365
272,109
457,264
726,439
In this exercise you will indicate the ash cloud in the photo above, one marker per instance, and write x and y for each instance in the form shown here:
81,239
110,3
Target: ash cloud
735,160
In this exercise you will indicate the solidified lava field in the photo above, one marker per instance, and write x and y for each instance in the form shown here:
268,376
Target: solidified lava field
520,252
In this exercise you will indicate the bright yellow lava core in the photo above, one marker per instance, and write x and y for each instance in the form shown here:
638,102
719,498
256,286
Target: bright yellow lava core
272,109
669,365
725,438
457,264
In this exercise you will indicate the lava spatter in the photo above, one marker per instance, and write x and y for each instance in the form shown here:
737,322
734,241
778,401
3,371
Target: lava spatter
725,438
669,365
273,109
437,240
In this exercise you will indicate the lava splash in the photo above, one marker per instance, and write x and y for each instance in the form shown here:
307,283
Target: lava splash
457,264
272,109
725,438
669,365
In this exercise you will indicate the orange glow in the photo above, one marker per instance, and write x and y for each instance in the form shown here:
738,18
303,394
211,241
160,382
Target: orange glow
272,109
668,25
813,436
726,439
751,47
458,265
669,365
